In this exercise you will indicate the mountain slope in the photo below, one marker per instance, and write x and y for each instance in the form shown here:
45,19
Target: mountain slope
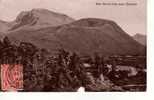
38,18
85,36
35,19
140,38
4,26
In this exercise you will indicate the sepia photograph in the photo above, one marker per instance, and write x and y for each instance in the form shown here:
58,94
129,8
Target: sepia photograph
73,45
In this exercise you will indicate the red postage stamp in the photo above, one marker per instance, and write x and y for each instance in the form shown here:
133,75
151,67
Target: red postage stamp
11,77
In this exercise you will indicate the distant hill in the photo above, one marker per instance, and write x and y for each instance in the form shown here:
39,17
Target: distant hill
140,38
85,36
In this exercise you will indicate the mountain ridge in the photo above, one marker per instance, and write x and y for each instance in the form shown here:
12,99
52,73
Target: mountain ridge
51,30
103,36
35,19
41,18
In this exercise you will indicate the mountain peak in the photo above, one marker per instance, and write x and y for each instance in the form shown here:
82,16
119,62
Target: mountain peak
40,18
93,22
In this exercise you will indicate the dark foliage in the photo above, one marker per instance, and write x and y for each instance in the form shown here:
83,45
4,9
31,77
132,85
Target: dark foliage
64,71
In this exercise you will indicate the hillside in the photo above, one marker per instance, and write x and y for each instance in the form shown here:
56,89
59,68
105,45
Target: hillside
85,36
140,38
4,26
34,19
38,18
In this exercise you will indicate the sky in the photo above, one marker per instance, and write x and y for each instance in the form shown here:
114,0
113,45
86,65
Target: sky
131,18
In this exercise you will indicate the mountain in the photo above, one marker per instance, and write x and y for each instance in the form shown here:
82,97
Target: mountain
4,26
85,36
39,18
140,38
35,19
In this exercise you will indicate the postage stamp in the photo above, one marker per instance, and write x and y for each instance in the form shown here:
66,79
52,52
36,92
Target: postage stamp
11,77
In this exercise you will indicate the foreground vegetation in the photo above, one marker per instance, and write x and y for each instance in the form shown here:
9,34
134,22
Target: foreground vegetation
67,71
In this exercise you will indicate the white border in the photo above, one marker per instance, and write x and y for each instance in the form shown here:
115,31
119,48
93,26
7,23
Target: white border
105,95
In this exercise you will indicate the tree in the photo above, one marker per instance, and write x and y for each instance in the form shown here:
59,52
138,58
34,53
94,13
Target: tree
6,41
